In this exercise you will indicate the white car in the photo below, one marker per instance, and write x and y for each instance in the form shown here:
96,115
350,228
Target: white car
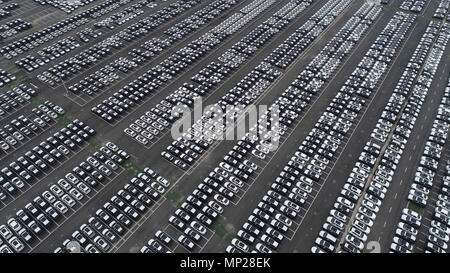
250,164
5,147
68,200
367,212
270,241
56,190
365,219
158,187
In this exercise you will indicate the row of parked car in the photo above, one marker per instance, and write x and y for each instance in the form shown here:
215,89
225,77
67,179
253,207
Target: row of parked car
13,27
237,20
19,131
269,222
210,76
89,33
406,232
381,172
81,61
159,243
13,99
116,216
62,197
26,169
248,8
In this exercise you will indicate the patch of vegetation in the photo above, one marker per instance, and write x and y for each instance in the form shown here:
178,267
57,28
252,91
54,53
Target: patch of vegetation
174,197
36,101
130,167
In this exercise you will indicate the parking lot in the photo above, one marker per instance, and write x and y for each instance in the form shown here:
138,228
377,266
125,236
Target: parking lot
350,153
